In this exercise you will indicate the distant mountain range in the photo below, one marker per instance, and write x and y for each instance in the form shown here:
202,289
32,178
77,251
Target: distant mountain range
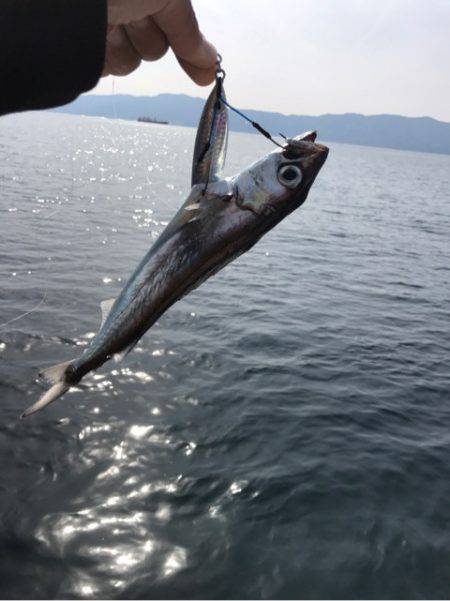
389,131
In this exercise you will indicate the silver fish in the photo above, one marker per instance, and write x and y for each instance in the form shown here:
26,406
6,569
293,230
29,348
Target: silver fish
211,229
212,138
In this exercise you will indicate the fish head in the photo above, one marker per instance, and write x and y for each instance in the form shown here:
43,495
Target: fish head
279,183
222,220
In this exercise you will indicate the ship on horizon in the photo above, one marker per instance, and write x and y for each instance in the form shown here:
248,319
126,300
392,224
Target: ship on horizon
152,120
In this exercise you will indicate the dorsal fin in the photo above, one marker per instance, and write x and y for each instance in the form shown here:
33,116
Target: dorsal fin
106,307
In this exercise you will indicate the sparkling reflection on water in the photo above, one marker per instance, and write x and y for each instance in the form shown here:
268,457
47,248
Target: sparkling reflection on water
281,432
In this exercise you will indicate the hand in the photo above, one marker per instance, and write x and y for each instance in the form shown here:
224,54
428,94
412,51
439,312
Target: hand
144,30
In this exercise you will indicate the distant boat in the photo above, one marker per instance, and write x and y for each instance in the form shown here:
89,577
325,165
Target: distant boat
152,120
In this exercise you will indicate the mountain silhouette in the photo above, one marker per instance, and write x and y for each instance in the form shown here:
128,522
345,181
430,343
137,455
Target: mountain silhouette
389,131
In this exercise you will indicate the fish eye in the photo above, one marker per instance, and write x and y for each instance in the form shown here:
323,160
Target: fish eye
290,176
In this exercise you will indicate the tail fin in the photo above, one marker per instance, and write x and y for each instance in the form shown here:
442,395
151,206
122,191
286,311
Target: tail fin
56,375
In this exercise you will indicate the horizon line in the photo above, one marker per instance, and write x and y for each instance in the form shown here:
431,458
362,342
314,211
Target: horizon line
271,111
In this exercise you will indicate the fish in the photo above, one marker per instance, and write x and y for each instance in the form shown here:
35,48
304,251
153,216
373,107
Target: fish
212,228
211,141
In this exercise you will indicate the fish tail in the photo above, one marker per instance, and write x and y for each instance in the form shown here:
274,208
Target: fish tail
57,375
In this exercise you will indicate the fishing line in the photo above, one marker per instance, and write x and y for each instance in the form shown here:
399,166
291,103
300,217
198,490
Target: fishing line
220,76
254,124
35,308
44,297
113,85
46,216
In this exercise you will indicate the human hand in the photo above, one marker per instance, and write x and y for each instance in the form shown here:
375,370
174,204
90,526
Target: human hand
144,30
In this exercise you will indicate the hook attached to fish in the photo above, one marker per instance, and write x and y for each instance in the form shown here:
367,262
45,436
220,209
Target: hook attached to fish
212,133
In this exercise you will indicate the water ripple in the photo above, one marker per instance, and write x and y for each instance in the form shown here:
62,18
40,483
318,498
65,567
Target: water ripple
280,432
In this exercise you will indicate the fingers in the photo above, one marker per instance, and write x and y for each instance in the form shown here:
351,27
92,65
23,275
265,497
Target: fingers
147,38
202,77
196,55
121,56
147,28
121,12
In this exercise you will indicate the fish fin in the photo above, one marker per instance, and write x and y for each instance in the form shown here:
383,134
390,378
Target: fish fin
119,356
221,187
55,373
192,207
106,307
56,391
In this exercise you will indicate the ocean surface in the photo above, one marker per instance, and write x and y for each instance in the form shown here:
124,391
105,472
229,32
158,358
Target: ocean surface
282,432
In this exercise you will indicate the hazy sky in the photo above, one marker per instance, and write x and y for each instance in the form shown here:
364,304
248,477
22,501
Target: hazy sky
319,56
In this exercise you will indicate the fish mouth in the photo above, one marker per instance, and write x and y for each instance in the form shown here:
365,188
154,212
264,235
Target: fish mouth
305,145
310,155
309,136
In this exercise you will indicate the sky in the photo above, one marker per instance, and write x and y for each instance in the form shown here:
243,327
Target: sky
318,56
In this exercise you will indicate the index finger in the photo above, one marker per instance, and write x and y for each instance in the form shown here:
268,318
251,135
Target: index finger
196,55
